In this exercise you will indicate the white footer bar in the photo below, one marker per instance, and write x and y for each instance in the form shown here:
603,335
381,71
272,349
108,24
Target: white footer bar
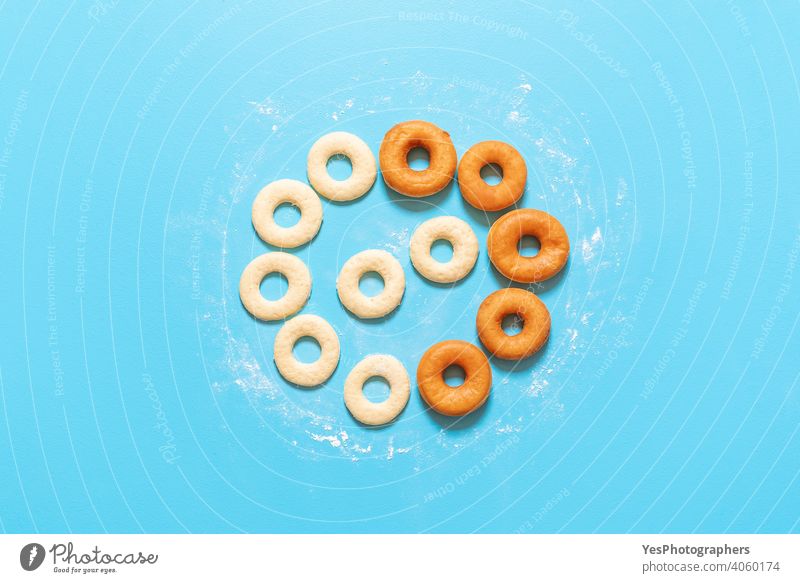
407,558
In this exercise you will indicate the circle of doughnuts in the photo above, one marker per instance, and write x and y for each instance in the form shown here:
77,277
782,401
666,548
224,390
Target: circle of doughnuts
502,246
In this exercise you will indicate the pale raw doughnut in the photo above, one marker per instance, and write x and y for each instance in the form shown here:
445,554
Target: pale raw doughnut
293,269
301,373
394,283
296,193
361,159
393,372
460,236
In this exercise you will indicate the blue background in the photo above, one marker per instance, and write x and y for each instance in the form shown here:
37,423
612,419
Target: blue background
138,395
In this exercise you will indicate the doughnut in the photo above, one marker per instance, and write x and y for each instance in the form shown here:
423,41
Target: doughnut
296,193
525,305
361,159
393,372
301,373
293,269
403,138
443,398
492,197
394,283
503,241
460,236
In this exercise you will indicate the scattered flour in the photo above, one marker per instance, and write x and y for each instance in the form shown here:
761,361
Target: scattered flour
419,82
589,246
516,118
246,370
333,440
271,111
538,384
622,191
508,428
340,111
398,241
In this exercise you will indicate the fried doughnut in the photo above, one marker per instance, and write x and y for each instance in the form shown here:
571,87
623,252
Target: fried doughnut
403,138
460,236
492,197
388,368
394,283
306,374
296,274
503,245
361,159
525,305
443,398
296,193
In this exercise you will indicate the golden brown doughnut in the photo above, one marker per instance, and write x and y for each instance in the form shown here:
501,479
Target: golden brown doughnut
529,308
403,138
492,197
503,245
443,398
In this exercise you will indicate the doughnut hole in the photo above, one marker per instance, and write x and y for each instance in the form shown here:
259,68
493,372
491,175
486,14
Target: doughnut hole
418,159
528,246
492,174
274,286
371,284
339,167
376,389
307,350
287,215
454,375
442,250
512,324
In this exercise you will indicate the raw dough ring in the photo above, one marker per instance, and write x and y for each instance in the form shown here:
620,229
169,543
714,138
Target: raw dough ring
492,197
403,138
293,269
460,236
503,241
442,397
301,373
296,193
393,372
361,159
394,283
525,305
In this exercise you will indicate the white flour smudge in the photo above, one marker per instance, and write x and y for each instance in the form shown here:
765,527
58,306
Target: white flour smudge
622,191
589,245
573,336
398,241
341,110
333,440
516,117
538,384
264,108
271,111
419,82
508,428
246,370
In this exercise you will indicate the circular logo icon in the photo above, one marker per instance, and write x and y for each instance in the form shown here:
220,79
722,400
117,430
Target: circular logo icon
31,556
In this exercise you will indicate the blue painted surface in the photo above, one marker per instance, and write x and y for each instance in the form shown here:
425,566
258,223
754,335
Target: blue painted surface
138,395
